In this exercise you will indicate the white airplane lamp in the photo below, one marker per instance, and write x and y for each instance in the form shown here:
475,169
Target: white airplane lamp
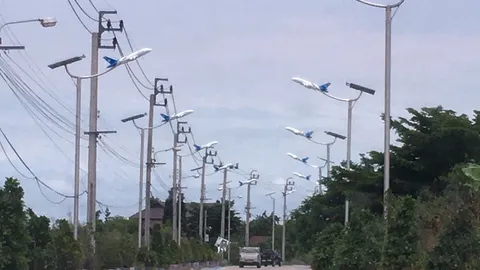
311,85
304,160
306,134
227,166
307,177
179,115
208,145
112,62
247,182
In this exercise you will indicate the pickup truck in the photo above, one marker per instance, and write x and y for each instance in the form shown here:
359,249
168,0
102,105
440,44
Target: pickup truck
271,257
250,256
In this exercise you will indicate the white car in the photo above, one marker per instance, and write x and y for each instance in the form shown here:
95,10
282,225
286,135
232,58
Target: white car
250,256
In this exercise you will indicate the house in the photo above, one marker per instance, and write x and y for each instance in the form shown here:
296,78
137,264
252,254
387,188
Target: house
156,216
158,210
257,240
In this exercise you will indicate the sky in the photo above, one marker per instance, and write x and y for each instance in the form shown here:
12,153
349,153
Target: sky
232,63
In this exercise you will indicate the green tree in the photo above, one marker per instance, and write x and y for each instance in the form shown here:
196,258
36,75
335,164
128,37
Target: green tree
360,245
64,251
14,245
39,232
459,245
117,243
324,251
402,246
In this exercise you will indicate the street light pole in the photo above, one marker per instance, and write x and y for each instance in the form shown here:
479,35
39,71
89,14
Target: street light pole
140,188
273,217
78,79
350,102
387,117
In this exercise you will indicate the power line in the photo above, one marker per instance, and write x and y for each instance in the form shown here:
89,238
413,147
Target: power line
78,17
39,182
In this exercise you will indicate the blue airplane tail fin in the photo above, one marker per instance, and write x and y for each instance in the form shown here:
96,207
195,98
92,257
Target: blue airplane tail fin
165,117
324,87
308,177
111,62
304,160
197,147
309,134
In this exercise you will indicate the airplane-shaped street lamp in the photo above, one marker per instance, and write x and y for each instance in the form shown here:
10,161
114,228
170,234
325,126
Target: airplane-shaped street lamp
351,102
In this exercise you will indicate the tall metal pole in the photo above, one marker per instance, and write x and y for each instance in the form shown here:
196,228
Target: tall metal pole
247,218
149,170
180,197
388,49
229,222
349,150
78,115
273,224
92,139
140,188
328,159
284,221
202,197
224,195
174,188
388,69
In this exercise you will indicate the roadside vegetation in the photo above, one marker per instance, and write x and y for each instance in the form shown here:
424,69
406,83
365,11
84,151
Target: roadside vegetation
434,202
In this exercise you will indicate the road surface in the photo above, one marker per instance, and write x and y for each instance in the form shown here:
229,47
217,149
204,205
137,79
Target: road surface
283,267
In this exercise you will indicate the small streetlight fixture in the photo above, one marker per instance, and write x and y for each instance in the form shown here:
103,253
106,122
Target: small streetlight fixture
133,118
335,135
48,21
66,62
271,193
45,22
361,88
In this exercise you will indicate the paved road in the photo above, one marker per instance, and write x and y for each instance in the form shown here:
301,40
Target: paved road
283,267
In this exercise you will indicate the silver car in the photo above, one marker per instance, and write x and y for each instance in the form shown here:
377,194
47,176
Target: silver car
250,256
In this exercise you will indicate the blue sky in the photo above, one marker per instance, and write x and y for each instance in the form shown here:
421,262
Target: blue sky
232,62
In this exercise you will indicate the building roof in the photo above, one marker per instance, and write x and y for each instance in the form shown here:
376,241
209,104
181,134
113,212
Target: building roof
155,213
257,239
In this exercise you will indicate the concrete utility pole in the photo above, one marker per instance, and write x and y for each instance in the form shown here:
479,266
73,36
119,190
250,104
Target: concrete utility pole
205,226
287,189
230,219
93,133
208,153
224,195
273,217
251,181
176,141
150,164
229,222
180,199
